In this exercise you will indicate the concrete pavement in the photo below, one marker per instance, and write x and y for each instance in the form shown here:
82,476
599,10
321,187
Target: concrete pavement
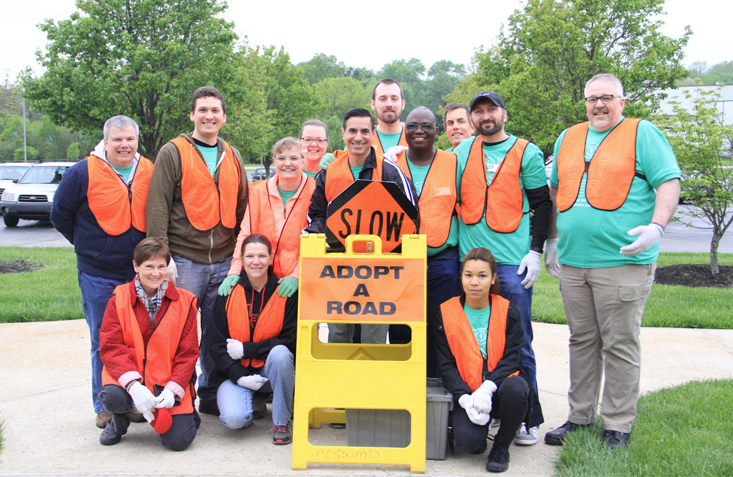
49,424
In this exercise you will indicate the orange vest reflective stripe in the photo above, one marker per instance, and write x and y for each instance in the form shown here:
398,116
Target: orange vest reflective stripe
377,143
262,221
206,202
462,339
109,199
501,201
269,323
155,360
611,170
339,175
438,197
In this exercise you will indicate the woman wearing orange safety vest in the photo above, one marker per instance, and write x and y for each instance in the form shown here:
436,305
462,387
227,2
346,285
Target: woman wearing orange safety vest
149,347
479,339
253,341
277,209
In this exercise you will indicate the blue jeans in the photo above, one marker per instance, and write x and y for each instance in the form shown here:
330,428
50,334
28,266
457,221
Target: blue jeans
95,294
444,283
203,280
235,402
513,290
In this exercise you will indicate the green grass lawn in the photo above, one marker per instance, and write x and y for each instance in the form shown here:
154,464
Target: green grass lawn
49,294
680,431
667,306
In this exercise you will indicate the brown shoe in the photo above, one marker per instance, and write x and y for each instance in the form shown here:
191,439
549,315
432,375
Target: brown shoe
135,416
259,406
208,407
103,418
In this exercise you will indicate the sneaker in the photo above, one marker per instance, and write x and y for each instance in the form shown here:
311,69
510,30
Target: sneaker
615,439
208,407
495,422
498,459
259,406
282,435
555,438
527,437
103,418
115,429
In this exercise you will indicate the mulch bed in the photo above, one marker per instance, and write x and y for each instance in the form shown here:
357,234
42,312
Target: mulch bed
690,275
18,266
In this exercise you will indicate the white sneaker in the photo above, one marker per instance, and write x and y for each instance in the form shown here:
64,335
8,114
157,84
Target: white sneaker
495,422
527,437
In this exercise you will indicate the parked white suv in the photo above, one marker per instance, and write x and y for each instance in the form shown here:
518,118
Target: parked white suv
10,173
32,197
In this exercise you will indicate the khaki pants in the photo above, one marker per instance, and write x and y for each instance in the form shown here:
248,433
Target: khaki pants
603,307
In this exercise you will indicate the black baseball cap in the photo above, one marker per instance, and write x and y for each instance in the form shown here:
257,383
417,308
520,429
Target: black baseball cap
490,95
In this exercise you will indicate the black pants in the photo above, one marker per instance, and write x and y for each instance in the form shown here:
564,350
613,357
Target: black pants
182,432
509,403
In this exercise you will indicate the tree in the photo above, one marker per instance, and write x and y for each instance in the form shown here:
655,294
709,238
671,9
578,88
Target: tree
701,74
141,58
443,77
337,96
699,135
73,151
409,74
541,62
322,66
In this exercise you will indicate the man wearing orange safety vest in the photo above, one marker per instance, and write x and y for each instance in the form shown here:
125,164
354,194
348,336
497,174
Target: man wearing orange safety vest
197,198
359,161
609,218
388,102
99,207
502,178
433,171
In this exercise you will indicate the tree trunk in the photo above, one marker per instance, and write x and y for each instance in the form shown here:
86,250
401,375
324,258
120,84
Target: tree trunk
714,251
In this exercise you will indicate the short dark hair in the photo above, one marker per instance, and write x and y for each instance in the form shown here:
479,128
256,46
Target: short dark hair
484,255
257,238
452,107
148,248
208,92
386,81
359,113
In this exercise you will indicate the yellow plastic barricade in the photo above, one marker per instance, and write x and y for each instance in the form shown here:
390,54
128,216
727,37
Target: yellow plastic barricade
370,288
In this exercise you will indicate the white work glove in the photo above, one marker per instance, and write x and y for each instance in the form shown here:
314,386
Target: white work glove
480,419
551,264
648,234
165,399
531,262
393,152
254,382
235,348
171,273
482,397
144,400
465,401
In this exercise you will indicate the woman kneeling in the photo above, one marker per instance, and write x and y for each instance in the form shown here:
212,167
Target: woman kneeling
252,342
479,339
149,346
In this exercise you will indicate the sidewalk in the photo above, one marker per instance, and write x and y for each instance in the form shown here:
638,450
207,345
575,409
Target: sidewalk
49,424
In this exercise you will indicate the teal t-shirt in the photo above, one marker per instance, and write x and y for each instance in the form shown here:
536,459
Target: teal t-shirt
592,238
210,156
311,174
286,196
509,248
479,320
389,140
123,172
419,173
356,171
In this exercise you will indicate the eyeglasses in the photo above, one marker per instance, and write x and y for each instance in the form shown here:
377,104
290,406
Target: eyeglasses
428,128
606,98
309,140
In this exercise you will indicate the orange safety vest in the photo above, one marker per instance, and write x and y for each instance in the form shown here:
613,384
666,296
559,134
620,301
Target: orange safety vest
438,197
116,207
262,221
207,202
501,201
377,143
462,339
339,175
155,359
611,170
269,323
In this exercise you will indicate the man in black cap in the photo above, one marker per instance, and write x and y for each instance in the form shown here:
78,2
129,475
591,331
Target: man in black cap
502,178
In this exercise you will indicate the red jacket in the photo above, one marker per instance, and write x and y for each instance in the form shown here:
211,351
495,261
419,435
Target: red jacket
115,354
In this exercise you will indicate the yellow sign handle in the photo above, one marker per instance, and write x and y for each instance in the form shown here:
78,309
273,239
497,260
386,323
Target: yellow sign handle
375,239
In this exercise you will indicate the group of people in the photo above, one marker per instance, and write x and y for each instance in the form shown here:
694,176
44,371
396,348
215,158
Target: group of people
231,250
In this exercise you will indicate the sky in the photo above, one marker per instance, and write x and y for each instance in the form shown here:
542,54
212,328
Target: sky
406,29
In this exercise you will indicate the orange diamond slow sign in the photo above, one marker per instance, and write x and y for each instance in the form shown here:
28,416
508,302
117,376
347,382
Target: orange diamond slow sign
371,208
